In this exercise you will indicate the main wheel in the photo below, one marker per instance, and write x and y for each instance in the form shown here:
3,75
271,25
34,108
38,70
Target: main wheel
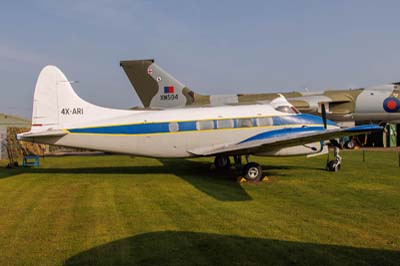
222,162
350,145
252,172
333,166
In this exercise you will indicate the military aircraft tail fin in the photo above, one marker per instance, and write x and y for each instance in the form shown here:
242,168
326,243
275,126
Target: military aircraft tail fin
155,87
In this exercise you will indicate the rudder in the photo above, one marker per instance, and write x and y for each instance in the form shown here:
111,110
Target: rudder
155,87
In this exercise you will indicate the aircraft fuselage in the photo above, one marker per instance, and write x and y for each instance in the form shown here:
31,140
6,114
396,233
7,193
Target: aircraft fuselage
196,127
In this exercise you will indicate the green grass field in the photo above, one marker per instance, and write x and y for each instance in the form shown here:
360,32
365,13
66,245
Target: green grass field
118,210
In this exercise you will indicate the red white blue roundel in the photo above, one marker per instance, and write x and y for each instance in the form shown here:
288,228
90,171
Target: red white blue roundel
391,104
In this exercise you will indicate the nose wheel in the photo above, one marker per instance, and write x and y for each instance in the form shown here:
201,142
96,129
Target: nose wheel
334,165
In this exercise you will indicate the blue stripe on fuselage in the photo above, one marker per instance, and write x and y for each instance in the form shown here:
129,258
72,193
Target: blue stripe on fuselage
187,126
301,119
125,129
282,132
163,127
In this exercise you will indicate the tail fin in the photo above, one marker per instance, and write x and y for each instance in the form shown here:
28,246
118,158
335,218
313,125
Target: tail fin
158,89
57,106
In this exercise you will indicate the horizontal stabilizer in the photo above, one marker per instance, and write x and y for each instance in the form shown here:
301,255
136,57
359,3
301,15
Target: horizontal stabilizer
47,133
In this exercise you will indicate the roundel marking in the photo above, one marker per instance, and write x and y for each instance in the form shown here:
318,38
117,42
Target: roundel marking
391,104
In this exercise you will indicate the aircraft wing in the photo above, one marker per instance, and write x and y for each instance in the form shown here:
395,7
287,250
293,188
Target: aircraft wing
282,138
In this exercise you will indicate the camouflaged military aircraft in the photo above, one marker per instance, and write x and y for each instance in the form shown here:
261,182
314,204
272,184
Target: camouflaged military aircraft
158,89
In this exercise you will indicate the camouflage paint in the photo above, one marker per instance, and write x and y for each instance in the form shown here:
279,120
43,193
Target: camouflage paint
341,105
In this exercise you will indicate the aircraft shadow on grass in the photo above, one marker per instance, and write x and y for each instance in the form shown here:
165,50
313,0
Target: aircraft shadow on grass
220,185
190,248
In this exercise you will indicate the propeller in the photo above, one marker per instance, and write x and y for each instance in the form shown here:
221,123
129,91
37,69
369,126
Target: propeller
323,114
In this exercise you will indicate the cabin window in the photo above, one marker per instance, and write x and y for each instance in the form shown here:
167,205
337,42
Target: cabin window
173,127
204,125
264,121
225,123
245,122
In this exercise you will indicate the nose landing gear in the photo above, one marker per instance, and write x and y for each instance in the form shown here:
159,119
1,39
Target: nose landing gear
334,165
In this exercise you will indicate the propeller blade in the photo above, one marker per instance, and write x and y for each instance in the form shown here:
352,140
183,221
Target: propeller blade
323,114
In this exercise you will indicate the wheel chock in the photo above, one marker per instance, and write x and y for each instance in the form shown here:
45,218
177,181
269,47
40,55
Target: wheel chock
265,179
241,179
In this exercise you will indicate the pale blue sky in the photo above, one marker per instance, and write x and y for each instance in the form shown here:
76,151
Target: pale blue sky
217,47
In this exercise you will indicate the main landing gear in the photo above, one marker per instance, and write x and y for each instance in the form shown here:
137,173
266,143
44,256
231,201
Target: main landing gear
334,165
222,162
251,171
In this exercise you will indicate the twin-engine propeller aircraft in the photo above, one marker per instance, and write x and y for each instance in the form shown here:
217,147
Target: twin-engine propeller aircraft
61,117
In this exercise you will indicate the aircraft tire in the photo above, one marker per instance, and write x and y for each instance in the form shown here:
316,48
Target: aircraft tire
333,166
252,172
350,145
222,162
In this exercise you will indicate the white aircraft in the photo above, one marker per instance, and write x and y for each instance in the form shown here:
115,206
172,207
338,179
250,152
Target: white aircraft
61,117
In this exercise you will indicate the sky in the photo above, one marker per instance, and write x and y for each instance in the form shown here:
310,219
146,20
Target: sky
213,47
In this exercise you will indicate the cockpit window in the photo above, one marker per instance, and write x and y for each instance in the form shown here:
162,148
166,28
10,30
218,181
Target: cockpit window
284,109
294,109
287,109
